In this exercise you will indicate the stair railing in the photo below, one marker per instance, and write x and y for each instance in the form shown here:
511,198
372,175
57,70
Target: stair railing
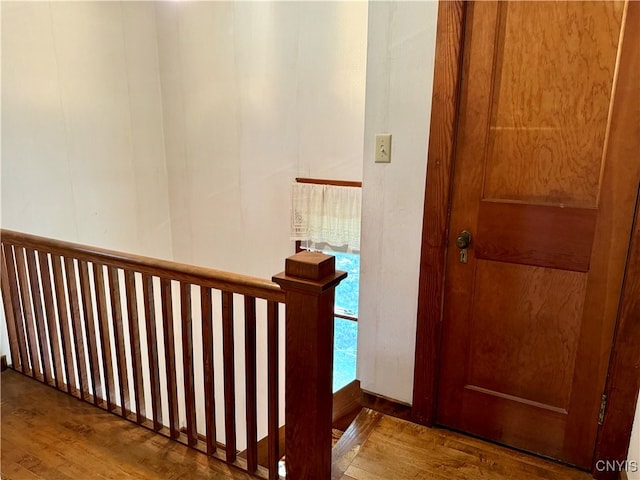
144,338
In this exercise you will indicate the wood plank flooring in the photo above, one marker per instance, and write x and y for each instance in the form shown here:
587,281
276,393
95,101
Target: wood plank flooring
49,435
399,450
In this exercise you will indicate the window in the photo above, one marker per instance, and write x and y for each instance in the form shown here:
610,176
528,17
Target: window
345,335
325,216
345,340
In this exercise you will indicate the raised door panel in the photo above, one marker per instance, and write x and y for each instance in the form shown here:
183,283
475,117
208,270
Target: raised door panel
553,77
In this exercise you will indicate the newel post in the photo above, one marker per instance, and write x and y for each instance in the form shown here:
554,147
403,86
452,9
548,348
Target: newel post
309,282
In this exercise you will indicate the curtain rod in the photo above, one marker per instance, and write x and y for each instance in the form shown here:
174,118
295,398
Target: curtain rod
336,183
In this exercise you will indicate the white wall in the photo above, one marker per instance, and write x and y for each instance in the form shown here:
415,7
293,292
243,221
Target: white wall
4,335
633,472
255,94
175,129
243,96
400,63
82,142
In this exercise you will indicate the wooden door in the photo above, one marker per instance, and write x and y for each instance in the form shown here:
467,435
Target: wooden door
546,176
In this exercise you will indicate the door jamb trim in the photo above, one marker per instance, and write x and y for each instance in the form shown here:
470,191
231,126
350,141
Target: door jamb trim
435,223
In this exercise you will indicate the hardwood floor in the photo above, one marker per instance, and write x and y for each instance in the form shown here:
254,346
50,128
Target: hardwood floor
49,435
398,450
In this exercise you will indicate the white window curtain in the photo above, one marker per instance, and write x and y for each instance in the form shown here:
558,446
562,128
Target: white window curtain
326,214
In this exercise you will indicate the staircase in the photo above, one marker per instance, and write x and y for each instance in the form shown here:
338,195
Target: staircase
347,417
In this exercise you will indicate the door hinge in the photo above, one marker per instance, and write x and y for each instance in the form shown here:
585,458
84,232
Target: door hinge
603,407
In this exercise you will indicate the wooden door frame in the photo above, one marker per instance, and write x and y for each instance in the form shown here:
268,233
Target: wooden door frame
623,379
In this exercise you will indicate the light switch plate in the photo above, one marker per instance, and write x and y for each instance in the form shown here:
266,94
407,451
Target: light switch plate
383,148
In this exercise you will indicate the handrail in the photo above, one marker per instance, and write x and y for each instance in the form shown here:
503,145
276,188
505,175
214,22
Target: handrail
218,279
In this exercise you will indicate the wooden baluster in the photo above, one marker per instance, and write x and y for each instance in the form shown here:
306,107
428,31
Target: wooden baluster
16,362
134,343
27,310
187,361
63,321
50,310
17,310
273,408
118,335
309,282
229,379
170,356
152,348
76,322
250,383
209,387
105,342
43,344
90,329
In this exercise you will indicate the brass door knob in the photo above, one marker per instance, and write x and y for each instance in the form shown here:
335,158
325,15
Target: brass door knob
463,240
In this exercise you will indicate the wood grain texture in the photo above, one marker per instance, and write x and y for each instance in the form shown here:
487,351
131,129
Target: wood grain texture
36,293
616,185
229,377
35,354
134,344
617,200
118,336
103,330
208,365
308,385
52,324
76,324
115,332
170,356
347,404
242,284
152,349
14,346
71,439
91,332
63,324
263,450
310,265
75,440
544,236
349,444
335,183
385,405
14,291
550,102
273,384
624,383
250,382
442,135
397,449
623,380
308,372
187,363
524,336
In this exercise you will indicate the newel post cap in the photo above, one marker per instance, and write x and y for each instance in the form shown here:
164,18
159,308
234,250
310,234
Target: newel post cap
309,271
